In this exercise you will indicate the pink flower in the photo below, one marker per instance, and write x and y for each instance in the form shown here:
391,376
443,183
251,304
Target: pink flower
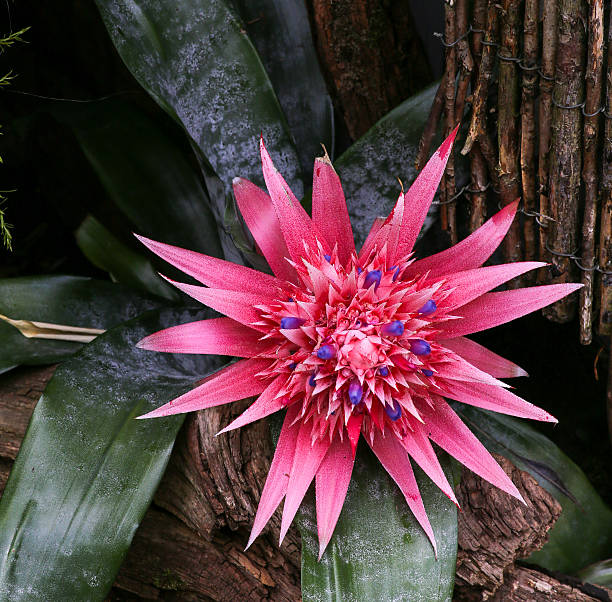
351,344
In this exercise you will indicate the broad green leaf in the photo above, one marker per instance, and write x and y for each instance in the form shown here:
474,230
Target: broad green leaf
378,551
108,253
87,470
197,62
369,169
280,31
146,173
584,512
599,573
69,300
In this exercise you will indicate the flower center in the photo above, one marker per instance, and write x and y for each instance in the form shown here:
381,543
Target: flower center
355,340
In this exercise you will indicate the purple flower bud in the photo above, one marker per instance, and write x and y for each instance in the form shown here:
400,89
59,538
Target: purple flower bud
326,352
394,411
395,329
312,381
372,278
355,392
291,323
428,372
428,308
292,366
383,371
327,257
420,347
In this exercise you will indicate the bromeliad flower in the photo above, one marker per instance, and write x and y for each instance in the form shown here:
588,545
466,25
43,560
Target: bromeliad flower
353,344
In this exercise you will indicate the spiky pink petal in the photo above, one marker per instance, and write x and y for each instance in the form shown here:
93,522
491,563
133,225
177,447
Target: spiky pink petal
493,309
331,485
395,460
371,237
267,403
471,252
471,284
296,225
446,429
482,358
236,381
329,211
214,272
258,212
308,457
234,304
217,336
419,196
494,398
278,476
421,451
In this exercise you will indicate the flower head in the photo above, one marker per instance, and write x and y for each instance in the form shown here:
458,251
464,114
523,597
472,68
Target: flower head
354,344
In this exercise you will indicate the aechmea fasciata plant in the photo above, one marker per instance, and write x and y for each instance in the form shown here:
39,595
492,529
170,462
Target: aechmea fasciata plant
353,344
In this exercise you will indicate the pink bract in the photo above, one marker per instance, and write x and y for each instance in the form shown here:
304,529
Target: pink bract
352,344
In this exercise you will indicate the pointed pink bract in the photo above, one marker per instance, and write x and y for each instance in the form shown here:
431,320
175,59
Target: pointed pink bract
217,336
471,252
329,211
308,457
258,212
233,382
389,451
446,429
482,358
419,196
214,272
278,476
267,403
493,309
332,481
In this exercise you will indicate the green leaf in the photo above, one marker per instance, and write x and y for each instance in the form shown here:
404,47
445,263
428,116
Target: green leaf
369,169
599,573
280,31
108,253
378,551
584,512
87,470
61,300
145,173
197,62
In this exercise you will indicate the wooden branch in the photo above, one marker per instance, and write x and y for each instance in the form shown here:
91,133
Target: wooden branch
464,56
507,131
566,156
478,121
496,529
371,56
594,72
547,73
431,125
605,228
523,584
478,170
479,21
478,182
528,127
448,219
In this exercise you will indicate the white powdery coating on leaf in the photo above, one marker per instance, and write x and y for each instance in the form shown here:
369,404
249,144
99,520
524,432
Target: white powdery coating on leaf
197,63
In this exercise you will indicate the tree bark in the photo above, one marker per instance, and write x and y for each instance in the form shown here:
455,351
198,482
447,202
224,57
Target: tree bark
507,131
371,55
566,158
